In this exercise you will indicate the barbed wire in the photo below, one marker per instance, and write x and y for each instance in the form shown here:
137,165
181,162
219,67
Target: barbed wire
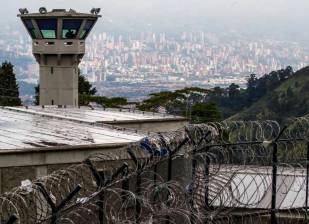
239,172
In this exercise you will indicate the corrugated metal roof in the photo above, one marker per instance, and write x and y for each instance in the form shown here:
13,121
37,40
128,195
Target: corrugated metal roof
25,130
251,187
88,115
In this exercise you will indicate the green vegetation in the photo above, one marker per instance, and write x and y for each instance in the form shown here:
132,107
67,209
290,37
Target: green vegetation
87,95
9,90
37,95
188,102
84,86
233,100
205,112
101,100
277,95
174,100
290,99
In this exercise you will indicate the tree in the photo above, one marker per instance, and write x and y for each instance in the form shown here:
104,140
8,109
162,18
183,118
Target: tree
234,90
251,88
286,73
205,112
9,90
37,95
218,91
252,81
84,86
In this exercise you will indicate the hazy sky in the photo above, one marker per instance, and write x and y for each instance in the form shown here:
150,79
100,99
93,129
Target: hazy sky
286,17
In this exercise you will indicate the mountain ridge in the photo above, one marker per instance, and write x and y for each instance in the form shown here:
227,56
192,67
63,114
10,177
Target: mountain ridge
290,99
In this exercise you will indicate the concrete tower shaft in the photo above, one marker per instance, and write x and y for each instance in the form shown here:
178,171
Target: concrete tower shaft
58,46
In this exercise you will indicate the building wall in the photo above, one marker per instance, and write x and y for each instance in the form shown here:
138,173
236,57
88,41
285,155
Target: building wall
59,80
16,166
154,126
58,61
32,164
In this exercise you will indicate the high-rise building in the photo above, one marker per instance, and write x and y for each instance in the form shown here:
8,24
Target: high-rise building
58,46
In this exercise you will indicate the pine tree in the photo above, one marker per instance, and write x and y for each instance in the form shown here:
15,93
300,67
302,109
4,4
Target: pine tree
9,90
84,86
37,95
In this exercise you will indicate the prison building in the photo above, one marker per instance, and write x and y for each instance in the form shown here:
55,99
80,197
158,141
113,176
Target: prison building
35,140
246,192
130,119
34,145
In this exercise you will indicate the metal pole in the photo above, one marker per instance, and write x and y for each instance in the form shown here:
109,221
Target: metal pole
170,166
307,182
274,184
274,176
100,179
169,178
138,192
194,164
100,204
206,167
138,185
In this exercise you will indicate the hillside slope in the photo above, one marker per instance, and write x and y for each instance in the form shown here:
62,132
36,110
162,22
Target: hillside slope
290,99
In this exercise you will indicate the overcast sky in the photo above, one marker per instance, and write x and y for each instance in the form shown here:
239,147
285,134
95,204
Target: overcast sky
281,16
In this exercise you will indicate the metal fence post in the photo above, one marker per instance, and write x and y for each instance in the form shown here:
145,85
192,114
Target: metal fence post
274,184
169,177
194,164
206,167
274,176
138,192
138,185
64,202
57,209
100,179
307,183
170,166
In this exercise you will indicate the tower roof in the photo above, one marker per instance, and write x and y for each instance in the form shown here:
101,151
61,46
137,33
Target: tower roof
59,23
58,13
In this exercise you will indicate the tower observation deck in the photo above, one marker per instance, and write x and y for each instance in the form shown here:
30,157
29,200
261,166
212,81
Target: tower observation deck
58,46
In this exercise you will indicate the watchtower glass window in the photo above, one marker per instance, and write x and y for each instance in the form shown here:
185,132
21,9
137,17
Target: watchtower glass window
86,29
48,28
70,28
29,25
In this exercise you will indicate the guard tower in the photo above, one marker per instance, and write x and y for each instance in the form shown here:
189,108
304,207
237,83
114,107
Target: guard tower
58,46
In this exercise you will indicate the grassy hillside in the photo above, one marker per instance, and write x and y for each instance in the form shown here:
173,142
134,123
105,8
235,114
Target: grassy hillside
290,99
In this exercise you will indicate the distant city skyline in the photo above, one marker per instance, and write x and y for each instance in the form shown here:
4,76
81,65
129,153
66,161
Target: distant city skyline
137,65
